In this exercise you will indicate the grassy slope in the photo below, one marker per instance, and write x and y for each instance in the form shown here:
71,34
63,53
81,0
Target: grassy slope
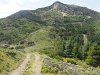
9,60
41,38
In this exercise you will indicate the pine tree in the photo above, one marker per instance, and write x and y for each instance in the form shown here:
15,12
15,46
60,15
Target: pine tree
94,55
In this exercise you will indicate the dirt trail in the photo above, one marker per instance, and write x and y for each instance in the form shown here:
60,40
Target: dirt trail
37,65
21,68
85,39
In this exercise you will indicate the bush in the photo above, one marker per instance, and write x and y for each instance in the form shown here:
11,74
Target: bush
9,60
70,60
19,47
52,54
47,69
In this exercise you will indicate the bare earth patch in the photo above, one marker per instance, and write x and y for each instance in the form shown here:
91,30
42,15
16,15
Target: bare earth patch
37,65
21,68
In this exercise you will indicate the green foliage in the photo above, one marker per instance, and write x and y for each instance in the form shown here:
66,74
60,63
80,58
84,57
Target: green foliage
48,51
46,69
70,60
9,60
17,31
94,55
57,43
63,67
19,47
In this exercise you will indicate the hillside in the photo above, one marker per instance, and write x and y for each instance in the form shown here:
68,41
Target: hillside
65,34
26,21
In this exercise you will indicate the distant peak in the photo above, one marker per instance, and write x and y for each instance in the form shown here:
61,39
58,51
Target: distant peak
56,4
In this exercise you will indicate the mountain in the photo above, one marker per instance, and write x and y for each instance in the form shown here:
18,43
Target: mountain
26,21
59,30
64,9
72,17
74,10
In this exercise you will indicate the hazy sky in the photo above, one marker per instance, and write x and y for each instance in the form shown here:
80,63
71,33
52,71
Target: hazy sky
8,7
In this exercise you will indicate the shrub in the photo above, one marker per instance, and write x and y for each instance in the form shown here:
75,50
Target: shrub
70,60
19,47
47,69
9,60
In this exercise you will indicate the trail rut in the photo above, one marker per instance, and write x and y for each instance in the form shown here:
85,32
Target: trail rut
37,66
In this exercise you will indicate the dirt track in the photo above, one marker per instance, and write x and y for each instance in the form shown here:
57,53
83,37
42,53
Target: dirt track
37,66
21,68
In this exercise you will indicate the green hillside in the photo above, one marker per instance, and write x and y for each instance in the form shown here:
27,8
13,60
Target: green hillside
64,33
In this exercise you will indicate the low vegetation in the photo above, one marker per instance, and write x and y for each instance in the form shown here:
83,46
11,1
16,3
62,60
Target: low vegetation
53,66
9,59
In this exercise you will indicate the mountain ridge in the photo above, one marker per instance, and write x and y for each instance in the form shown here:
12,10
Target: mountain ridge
72,10
57,14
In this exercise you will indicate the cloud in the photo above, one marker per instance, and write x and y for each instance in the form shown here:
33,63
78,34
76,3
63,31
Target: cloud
7,7
34,1
3,1
98,8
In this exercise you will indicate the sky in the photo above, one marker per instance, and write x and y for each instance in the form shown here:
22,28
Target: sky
8,7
